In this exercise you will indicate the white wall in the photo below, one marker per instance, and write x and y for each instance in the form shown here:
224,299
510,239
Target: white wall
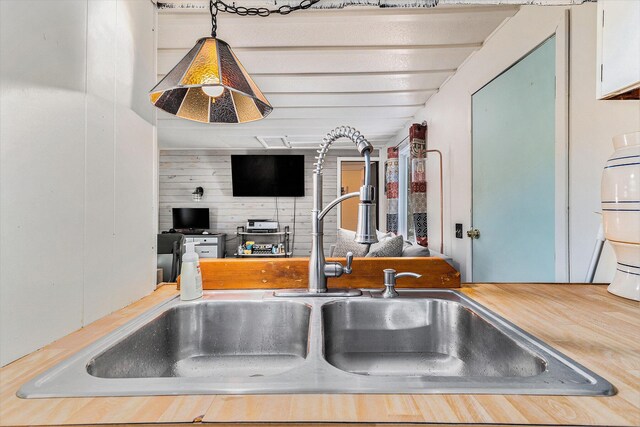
591,125
78,163
181,171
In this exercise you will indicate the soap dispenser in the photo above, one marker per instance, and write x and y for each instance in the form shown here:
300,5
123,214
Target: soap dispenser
190,276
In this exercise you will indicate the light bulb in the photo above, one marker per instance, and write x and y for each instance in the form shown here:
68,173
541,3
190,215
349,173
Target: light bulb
213,91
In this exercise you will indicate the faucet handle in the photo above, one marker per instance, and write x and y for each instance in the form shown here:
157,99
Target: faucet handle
347,269
335,269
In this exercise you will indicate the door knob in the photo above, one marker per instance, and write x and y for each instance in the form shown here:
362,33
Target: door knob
474,233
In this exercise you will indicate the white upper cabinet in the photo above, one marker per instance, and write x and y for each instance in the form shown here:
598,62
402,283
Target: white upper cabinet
618,48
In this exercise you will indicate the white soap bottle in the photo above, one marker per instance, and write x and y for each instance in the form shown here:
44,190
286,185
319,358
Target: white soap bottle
190,276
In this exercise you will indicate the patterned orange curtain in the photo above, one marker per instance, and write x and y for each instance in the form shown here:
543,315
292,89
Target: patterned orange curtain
391,189
418,185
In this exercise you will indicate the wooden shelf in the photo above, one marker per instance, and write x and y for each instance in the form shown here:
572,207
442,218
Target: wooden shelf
277,233
275,238
288,254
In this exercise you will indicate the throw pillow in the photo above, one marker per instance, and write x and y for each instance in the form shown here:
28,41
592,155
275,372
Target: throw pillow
389,247
345,243
415,250
381,236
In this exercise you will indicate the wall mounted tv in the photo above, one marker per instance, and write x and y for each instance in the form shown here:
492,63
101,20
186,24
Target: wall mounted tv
267,175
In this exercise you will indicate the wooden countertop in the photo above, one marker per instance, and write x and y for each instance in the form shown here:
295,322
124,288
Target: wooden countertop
597,329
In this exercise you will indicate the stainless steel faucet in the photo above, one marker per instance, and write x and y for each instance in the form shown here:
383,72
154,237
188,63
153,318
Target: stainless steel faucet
319,268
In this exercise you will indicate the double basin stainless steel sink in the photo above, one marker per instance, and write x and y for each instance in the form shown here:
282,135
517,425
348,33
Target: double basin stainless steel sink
250,342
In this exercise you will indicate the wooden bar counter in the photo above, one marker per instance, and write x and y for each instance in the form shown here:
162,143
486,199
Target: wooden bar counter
586,323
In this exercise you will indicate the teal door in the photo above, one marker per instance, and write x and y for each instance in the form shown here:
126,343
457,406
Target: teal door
514,181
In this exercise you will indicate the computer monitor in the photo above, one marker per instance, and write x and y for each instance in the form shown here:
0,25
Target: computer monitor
190,218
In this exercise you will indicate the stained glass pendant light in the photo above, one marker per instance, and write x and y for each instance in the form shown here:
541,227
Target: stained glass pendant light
210,85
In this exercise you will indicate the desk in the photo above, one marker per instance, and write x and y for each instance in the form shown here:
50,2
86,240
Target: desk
208,245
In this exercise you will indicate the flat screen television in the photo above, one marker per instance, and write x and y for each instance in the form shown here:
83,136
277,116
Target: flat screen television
267,175
190,218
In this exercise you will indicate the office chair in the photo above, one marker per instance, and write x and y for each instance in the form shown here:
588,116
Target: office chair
170,248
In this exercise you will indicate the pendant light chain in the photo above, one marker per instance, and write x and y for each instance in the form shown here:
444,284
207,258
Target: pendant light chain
217,5
213,9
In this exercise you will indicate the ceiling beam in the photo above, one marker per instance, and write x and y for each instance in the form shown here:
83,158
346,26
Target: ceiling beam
336,28
278,126
410,49
368,92
364,60
356,73
346,112
388,74
281,48
340,4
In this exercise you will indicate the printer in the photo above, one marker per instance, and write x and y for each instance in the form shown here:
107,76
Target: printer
262,226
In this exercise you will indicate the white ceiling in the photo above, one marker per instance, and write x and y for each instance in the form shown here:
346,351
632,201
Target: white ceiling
369,68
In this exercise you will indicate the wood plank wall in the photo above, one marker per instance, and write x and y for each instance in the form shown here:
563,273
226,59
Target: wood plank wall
181,171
